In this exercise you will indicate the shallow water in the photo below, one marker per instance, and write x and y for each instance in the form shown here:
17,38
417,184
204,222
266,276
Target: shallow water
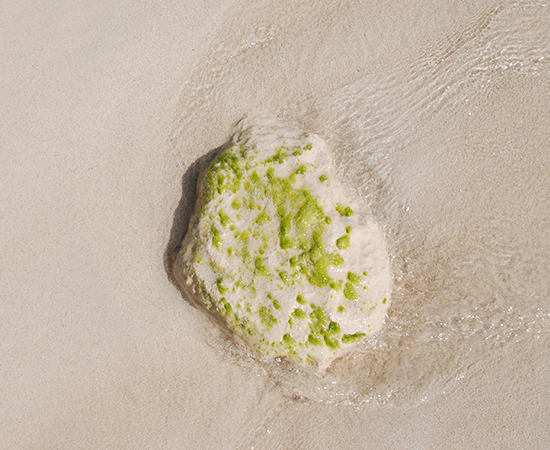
463,200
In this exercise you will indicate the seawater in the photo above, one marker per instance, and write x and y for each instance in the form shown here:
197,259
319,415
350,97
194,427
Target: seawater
464,217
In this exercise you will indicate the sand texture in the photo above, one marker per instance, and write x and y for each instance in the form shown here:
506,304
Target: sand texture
438,116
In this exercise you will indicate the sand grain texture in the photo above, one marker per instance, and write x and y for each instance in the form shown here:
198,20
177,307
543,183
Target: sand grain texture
437,113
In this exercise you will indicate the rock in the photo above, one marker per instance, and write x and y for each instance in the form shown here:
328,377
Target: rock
277,252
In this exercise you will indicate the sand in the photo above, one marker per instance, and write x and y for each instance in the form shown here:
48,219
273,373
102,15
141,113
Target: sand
438,115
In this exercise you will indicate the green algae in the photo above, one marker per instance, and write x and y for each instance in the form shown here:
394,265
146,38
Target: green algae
267,318
261,268
299,313
348,338
236,204
216,239
276,303
343,242
221,288
225,220
349,291
354,278
347,211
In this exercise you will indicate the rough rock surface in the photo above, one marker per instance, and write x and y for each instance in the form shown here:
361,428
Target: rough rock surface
278,253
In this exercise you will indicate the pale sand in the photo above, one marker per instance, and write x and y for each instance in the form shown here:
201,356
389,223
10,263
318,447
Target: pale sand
105,108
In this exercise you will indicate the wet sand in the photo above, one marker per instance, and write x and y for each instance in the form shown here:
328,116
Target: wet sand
438,115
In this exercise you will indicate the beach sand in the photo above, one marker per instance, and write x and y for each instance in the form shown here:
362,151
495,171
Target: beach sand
438,114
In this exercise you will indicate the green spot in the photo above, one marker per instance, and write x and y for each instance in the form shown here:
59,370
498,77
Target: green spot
347,338
253,288
301,299
353,277
308,147
221,287
228,308
216,239
323,178
347,211
261,268
301,170
280,156
267,318
255,177
319,275
288,339
287,243
299,313
276,303
343,242
328,220
349,292
384,301
284,276
349,229
336,259
320,327
285,240
319,316
225,219
244,236
236,204
341,309
230,251
331,343
314,340
262,218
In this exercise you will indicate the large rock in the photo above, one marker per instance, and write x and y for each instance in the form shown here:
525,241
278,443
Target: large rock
278,253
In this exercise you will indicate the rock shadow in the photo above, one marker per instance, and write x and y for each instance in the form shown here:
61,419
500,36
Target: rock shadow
185,210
